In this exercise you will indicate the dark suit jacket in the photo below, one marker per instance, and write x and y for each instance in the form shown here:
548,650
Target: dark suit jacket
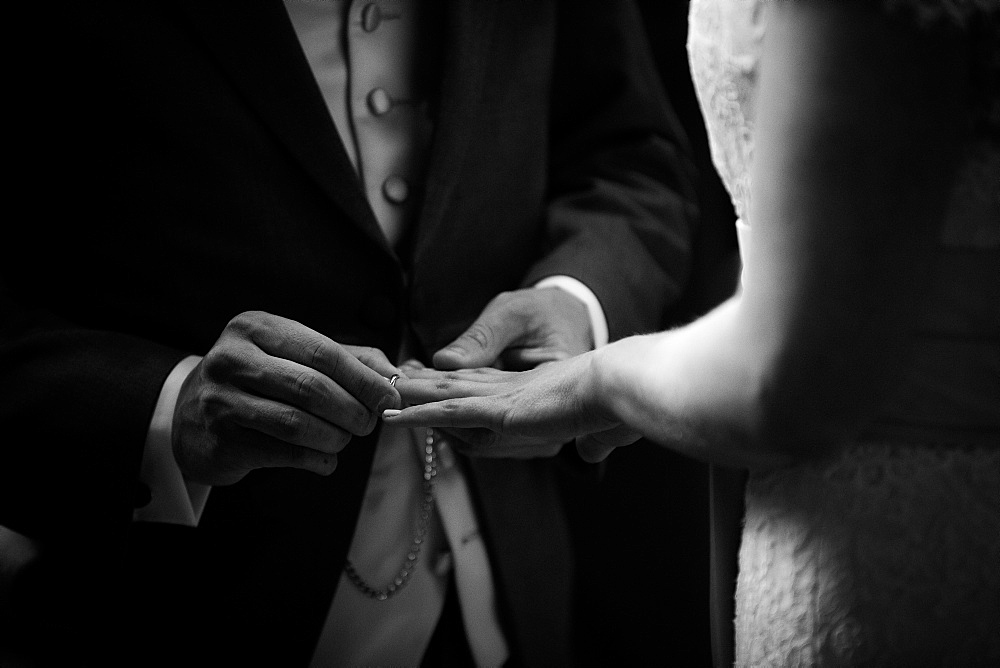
176,166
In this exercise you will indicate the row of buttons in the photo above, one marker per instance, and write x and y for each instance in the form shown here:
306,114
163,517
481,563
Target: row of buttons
395,188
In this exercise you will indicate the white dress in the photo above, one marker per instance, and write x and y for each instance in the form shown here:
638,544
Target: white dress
890,554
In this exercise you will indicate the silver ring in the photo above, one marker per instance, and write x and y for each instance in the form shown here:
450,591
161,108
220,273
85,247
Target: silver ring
392,381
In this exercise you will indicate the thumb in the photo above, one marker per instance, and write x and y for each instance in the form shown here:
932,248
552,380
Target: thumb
480,345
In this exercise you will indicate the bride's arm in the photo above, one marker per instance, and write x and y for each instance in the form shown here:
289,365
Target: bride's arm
859,118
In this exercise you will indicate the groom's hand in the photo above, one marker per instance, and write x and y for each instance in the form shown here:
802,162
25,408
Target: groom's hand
516,331
273,393
520,330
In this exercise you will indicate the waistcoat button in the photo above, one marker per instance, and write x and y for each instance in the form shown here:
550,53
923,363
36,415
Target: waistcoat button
396,189
379,101
371,17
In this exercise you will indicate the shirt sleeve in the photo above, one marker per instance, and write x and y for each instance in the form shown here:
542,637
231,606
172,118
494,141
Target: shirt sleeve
598,321
173,499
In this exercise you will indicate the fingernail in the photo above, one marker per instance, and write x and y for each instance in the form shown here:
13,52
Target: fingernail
390,413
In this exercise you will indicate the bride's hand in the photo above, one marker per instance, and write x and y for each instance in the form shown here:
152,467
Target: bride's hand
513,414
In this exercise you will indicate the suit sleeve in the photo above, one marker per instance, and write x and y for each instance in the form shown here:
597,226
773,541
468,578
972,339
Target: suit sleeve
78,380
621,210
75,408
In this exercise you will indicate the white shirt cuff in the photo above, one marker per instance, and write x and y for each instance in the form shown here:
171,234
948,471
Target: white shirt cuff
598,322
174,500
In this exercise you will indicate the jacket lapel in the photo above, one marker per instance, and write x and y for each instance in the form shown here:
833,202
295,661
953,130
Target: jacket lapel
255,44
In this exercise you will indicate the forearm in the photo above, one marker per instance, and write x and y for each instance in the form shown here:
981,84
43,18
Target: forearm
842,231
696,390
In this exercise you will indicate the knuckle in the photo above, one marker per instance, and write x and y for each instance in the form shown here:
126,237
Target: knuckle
481,333
325,357
370,391
223,361
450,411
216,362
245,323
305,386
315,351
290,424
369,356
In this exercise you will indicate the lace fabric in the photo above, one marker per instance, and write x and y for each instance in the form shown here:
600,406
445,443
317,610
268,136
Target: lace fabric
885,557
888,554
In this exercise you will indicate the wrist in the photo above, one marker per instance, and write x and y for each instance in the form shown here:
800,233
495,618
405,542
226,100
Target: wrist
595,313
625,375
601,389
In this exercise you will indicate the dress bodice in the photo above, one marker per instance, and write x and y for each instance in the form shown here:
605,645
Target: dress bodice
887,554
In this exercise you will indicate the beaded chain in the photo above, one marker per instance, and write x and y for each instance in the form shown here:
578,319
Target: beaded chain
398,582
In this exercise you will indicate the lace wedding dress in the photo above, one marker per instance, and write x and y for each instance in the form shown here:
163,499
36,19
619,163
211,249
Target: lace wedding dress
889,555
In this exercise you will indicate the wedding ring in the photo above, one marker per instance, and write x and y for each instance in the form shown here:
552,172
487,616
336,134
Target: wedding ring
392,381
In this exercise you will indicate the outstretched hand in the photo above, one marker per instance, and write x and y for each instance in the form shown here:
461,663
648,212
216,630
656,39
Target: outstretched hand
507,414
274,393
518,330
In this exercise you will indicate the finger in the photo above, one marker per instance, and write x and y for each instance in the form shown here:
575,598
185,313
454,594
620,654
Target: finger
485,339
287,424
450,414
300,386
287,339
255,450
481,374
374,359
411,366
249,368
450,385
